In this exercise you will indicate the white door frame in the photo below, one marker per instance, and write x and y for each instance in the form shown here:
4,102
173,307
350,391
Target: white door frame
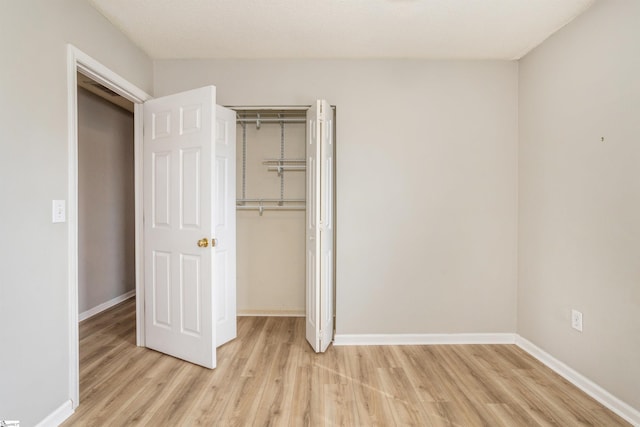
80,61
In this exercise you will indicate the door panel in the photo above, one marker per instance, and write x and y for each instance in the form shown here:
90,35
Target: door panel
319,234
224,220
161,166
161,292
326,227
178,164
189,188
312,232
190,293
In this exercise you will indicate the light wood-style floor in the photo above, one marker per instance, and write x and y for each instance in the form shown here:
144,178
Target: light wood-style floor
269,376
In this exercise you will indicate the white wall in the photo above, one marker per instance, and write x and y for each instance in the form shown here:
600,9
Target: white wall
426,182
580,197
33,171
271,246
106,225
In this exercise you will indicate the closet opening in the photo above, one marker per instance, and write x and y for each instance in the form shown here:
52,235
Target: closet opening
271,209
285,215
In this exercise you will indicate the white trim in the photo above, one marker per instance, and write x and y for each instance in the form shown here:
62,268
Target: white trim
105,305
72,226
138,120
583,383
103,75
423,339
271,313
58,416
80,61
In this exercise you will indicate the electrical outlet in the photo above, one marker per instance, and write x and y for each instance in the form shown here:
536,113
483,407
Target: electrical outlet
576,320
59,211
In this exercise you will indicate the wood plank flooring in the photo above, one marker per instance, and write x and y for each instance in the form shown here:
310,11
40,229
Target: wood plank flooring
269,376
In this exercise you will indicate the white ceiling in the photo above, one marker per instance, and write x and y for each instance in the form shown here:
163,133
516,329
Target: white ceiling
439,29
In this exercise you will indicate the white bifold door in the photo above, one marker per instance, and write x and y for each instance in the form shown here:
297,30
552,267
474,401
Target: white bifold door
320,226
189,225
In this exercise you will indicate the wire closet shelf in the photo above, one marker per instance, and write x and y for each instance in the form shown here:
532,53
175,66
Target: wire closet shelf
281,165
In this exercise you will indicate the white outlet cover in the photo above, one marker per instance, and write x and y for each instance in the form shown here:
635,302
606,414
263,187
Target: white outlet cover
59,213
576,320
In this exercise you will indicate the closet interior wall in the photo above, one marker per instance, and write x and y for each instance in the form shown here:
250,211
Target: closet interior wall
271,234
106,202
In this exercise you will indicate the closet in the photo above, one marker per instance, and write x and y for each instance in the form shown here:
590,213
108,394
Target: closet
271,209
240,205
285,210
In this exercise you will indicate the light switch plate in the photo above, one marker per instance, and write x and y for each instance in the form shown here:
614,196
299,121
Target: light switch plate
59,213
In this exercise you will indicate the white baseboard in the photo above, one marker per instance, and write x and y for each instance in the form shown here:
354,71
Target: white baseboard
583,383
271,313
423,339
105,305
58,416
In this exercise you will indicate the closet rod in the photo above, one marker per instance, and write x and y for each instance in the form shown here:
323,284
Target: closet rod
286,168
277,161
270,200
271,208
274,120
261,209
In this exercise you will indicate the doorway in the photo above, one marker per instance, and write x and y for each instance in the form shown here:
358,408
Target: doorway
78,61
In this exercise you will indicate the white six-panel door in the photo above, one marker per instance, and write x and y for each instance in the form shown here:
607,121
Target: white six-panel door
182,188
319,226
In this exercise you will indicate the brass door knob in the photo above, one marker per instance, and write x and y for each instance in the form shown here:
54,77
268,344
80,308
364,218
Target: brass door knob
203,243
